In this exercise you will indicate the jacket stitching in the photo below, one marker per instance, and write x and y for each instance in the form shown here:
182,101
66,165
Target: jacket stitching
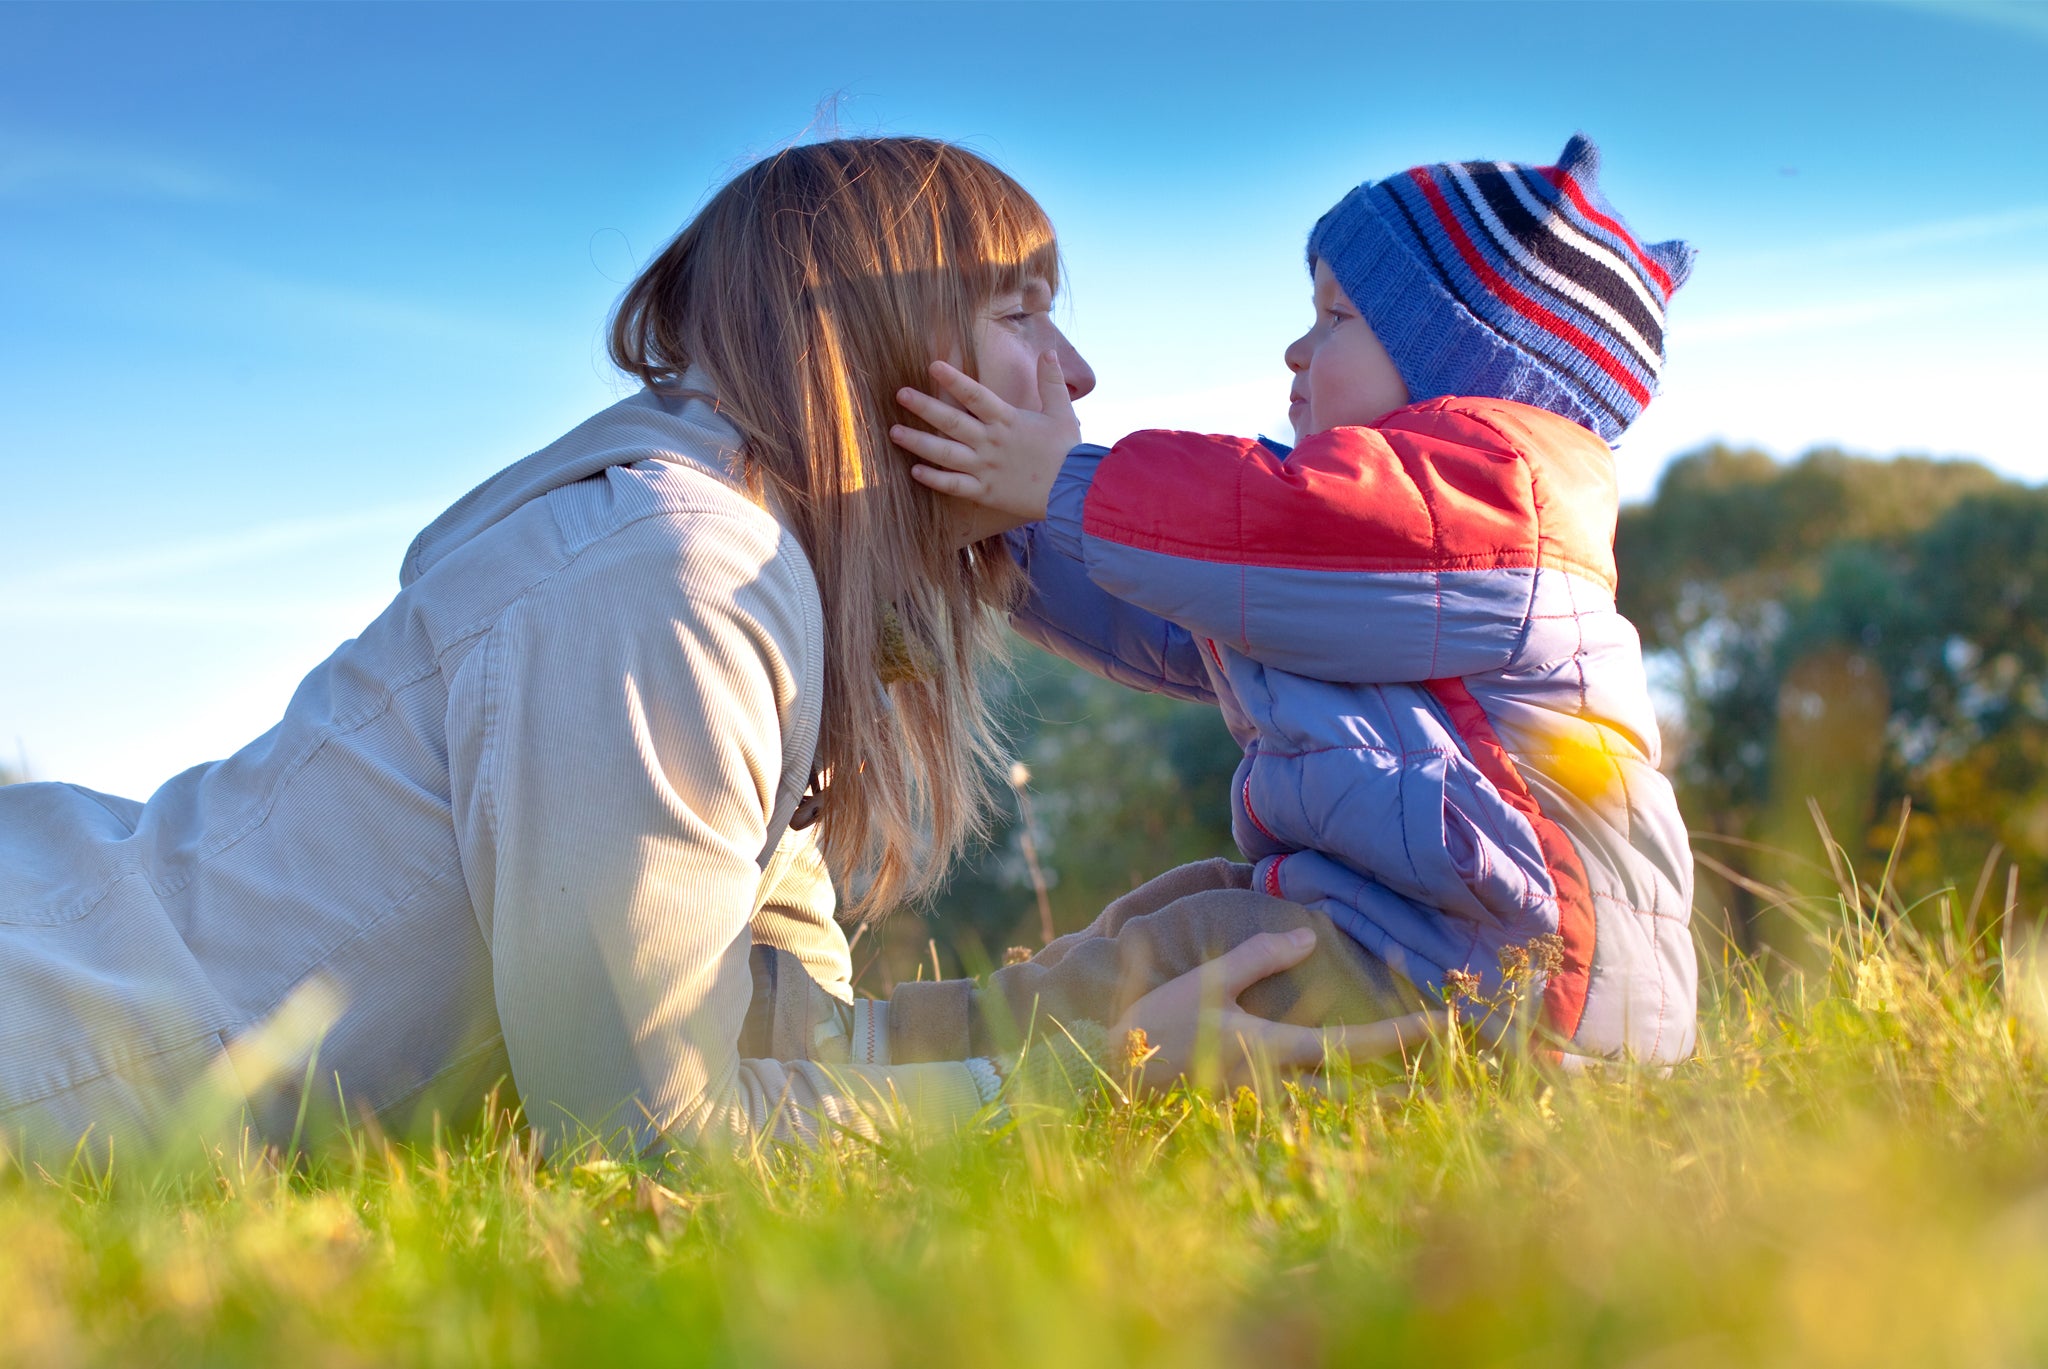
1244,630
1625,906
111,1064
1400,791
1436,576
349,725
1052,629
1517,450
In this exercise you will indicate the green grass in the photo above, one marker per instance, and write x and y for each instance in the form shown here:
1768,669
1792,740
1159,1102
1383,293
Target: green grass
1852,1172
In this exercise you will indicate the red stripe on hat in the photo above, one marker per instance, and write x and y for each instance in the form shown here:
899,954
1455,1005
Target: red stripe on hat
1569,186
1564,993
1520,302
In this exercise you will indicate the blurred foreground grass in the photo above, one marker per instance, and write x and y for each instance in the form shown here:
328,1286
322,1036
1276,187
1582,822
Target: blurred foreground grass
1853,1172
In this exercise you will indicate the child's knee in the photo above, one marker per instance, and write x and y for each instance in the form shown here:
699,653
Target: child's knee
1161,891
1189,932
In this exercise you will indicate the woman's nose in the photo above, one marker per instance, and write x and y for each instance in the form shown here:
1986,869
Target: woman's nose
1080,375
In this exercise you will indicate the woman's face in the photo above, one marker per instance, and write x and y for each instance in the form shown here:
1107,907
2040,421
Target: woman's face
1012,333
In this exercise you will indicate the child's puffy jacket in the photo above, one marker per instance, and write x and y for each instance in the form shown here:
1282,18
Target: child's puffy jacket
1449,744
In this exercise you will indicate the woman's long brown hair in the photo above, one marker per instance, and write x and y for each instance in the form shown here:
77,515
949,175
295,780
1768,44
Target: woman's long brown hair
810,289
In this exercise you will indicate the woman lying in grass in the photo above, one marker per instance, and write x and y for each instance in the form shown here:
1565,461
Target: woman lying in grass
582,793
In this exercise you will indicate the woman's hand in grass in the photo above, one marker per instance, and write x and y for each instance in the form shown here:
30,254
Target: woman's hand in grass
986,450
1198,1031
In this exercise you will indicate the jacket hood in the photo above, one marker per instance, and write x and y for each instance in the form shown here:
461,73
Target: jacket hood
667,424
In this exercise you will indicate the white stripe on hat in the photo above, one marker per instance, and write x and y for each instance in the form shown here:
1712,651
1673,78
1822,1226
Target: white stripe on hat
1562,284
1561,228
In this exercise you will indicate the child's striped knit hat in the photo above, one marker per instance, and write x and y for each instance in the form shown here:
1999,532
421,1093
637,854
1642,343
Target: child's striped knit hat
1508,281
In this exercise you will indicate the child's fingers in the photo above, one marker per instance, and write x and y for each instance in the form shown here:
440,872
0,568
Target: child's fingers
941,415
1371,1040
940,451
1280,1045
1290,1047
1260,957
1052,387
948,482
970,394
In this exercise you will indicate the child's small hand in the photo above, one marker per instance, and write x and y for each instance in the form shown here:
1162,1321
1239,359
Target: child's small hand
985,450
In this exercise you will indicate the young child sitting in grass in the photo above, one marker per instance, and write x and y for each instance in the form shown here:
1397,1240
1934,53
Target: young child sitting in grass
1408,620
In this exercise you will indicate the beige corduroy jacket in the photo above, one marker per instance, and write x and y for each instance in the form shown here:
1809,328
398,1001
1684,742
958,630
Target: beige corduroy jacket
526,826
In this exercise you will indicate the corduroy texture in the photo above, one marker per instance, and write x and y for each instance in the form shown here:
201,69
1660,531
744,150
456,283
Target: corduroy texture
529,821
1506,281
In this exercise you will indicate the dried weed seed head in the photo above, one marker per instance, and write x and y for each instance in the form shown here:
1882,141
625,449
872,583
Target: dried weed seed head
1460,985
1137,1050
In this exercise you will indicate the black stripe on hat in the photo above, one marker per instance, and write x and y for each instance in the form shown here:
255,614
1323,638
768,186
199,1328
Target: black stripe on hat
1587,384
1599,278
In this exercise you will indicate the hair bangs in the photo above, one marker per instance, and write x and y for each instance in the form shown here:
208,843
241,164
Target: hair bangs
1008,241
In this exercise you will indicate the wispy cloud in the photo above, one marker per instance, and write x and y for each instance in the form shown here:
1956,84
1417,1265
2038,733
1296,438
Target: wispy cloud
2013,16
1974,228
345,308
1838,314
157,565
198,292
112,607
37,168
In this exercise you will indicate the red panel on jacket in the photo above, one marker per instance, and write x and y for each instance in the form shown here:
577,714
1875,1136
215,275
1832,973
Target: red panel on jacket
1451,484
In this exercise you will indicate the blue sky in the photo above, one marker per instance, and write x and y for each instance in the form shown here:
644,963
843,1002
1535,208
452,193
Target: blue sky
277,283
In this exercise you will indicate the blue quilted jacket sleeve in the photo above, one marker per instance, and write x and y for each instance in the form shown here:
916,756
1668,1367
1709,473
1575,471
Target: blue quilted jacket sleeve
1074,618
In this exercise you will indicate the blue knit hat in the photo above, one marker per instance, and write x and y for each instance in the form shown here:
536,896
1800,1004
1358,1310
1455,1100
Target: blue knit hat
1509,281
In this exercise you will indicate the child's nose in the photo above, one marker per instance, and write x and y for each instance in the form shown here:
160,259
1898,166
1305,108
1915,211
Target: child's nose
1297,354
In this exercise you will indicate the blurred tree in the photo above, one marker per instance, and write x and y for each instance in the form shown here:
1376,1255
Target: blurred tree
1853,633
1122,786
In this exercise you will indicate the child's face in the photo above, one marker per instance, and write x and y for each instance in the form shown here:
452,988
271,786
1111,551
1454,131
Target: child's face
1343,378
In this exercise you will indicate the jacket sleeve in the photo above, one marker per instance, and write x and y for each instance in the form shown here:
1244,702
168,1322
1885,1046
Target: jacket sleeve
614,779
1068,614
1403,552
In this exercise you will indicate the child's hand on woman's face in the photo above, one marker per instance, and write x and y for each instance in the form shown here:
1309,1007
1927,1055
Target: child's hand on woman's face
986,450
